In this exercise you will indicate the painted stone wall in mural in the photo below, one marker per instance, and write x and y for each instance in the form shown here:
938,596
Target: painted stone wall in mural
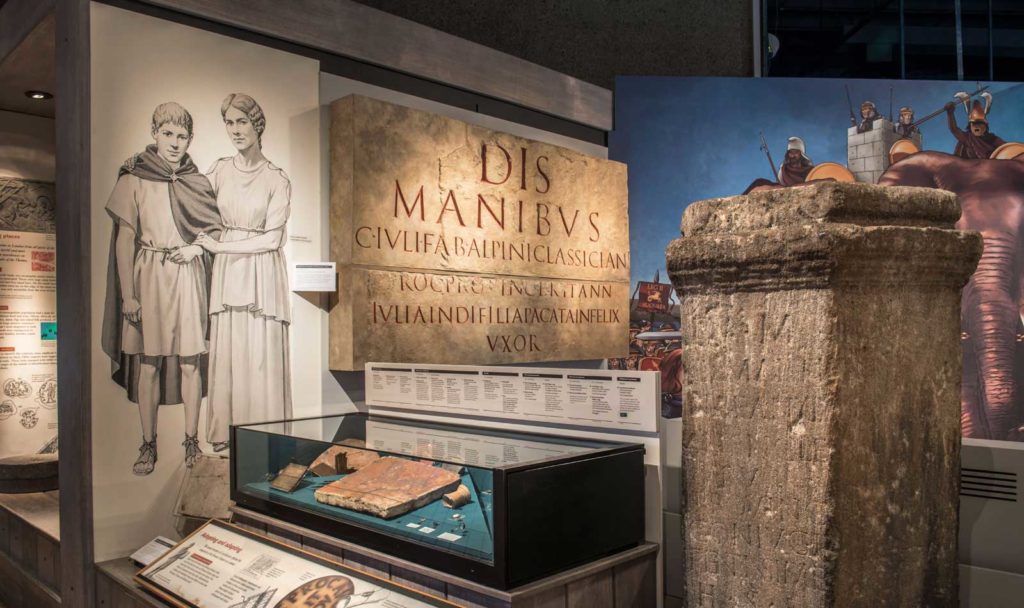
456,243
963,139
198,303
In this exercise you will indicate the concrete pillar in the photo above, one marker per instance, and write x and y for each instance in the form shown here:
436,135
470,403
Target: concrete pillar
821,431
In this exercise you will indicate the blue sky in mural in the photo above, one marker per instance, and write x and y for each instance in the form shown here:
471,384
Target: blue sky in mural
688,139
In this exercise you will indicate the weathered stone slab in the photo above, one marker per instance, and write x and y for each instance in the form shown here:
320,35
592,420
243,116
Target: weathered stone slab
337,459
389,487
821,432
205,491
417,194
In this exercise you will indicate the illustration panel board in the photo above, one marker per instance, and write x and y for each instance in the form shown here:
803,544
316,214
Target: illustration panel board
507,249
222,566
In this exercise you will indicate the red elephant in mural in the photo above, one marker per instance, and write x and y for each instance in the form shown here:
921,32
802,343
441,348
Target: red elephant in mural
991,196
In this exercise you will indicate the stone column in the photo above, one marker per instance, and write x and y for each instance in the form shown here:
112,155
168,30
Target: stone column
821,430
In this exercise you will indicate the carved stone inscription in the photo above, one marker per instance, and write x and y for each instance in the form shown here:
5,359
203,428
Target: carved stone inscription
457,244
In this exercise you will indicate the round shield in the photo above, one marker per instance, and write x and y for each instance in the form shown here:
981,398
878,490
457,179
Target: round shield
1009,150
902,149
833,171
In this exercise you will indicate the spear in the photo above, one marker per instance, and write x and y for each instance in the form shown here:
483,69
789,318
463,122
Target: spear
849,102
764,146
943,108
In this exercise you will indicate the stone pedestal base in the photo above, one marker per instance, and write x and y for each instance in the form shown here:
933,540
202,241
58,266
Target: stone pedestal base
821,427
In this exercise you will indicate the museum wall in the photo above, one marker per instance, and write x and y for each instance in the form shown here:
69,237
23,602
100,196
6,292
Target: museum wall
27,424
342,391
139,62
597,40
27,146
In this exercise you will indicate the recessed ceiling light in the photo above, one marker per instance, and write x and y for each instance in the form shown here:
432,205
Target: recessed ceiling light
38,95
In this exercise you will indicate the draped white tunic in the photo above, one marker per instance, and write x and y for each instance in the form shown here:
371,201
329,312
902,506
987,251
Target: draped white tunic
250,302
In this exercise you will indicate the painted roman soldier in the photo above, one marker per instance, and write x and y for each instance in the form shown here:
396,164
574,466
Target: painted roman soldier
906,127
976,141
868,115
796,165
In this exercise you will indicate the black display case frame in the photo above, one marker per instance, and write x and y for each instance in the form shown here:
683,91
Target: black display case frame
549,515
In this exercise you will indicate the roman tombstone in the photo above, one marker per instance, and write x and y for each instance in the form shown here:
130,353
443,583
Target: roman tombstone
459,244
821,432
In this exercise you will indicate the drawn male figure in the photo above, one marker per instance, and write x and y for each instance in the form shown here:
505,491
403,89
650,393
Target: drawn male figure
155,321
976,141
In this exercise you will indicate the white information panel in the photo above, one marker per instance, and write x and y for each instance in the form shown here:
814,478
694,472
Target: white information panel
606,399
28,342
314,276
220,566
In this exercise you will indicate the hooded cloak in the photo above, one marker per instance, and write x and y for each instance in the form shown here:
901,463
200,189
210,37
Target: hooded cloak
194,209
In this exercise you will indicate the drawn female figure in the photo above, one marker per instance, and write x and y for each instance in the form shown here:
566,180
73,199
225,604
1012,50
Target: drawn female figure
250,375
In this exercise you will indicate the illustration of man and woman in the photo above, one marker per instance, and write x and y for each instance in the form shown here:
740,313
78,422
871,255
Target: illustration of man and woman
198,303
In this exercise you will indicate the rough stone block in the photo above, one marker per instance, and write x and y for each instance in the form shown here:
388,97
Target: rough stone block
821,435
389,487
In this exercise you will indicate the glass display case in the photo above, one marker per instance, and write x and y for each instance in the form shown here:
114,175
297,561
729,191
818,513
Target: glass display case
496,507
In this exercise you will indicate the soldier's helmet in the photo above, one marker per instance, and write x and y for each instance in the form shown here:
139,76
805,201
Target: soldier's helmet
868,105
795,143
906,110
979,113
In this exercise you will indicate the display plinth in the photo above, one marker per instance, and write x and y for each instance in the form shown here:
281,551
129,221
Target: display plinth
821,435
623,580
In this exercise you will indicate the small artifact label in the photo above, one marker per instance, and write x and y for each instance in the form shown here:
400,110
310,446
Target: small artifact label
320,276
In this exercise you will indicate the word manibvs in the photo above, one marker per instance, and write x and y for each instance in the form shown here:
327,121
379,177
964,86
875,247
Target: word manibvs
540,218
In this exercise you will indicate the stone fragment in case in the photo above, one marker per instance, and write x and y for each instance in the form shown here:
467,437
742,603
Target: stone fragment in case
339,460
456,499
289,477
389,487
